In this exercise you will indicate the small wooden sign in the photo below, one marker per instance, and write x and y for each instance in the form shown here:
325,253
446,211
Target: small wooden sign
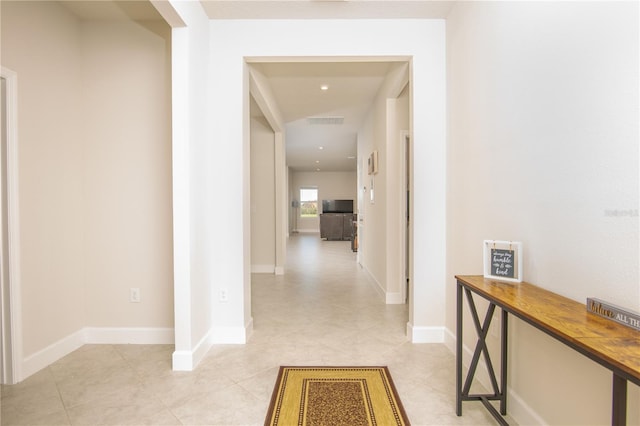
503,260
503,263
614,313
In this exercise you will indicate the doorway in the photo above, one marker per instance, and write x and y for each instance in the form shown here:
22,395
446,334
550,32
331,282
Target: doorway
3,245
406,173
229,79
10,342
307,121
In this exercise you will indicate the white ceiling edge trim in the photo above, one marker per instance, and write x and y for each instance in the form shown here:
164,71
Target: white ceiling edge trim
168,13
304,9
277,59
261,91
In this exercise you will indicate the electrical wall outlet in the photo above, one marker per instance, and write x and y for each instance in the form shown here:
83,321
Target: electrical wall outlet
224,295
134,295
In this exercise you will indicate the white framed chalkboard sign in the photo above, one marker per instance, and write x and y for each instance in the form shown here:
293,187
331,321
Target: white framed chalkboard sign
503,260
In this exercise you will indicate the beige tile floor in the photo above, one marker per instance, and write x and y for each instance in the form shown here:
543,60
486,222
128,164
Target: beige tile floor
322,311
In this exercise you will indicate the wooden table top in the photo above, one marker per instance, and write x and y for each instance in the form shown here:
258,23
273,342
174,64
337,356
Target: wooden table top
607,342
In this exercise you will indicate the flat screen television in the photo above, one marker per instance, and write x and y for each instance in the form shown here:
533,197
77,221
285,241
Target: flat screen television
337,206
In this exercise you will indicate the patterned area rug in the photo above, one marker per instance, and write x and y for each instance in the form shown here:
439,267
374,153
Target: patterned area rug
333,396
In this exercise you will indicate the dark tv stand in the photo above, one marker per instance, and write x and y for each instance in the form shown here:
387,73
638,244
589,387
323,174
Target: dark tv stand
337,226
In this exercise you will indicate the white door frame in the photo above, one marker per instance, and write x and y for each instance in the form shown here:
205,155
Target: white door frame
405,232
10,295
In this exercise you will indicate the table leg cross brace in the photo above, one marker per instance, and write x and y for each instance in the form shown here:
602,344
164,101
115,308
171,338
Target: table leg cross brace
481,348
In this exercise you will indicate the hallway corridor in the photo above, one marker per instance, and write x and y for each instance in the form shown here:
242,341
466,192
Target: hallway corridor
323,311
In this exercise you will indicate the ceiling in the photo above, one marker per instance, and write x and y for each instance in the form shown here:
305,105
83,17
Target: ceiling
326,9
310,114
269,9
136,10
321,125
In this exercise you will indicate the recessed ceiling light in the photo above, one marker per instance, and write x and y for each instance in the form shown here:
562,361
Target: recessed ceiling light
321,147
351,157
324,87
317,161
317,170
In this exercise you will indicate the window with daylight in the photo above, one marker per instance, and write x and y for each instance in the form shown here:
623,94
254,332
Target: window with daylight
308,202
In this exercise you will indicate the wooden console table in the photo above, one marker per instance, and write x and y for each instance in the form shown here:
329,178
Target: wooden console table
606,342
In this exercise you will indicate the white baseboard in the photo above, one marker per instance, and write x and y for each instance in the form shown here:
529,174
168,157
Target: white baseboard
263,269
519,410
187,360
52,353
394,298
267,269
93,335
425,334
376,284
182,361
390,298
308,231
228,335
248,330
136,336
450,340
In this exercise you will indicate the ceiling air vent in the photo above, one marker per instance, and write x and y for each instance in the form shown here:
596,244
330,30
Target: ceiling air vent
325,120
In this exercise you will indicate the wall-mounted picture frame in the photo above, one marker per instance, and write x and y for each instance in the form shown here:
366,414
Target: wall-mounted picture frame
372,163
502,260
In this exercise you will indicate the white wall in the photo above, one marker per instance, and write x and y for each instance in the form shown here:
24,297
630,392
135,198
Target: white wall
423,40
40,42
263,208
398,119
372,235
382,219
95,178
195,211
543,147
127,163
330,185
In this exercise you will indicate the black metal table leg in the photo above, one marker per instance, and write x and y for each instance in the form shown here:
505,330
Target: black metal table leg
459,350
503,361
482,331
619,409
